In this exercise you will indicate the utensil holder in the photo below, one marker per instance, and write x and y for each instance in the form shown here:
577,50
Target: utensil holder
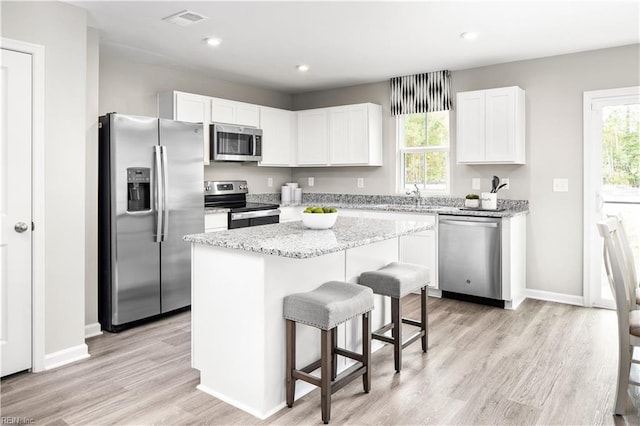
489,201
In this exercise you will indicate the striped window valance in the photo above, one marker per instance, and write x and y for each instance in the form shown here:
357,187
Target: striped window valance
426,92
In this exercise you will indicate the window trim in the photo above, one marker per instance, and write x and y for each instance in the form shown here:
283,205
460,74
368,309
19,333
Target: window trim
401,150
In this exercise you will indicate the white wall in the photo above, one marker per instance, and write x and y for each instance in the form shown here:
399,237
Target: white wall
62,29
554,88
91,170
129,85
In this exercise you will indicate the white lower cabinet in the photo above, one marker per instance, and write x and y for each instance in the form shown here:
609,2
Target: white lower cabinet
420,248
214,222
514,258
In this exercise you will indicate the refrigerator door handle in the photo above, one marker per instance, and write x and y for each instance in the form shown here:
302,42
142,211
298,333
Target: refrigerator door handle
159,190
165,185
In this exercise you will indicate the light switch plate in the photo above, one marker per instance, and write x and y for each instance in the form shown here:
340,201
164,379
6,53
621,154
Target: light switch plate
475,183
311,181
360,182
560,185
505,181
269,182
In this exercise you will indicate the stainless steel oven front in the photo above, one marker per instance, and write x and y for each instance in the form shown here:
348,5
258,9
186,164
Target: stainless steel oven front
253,218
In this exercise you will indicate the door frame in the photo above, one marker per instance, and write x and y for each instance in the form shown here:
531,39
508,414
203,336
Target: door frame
591,272
37,53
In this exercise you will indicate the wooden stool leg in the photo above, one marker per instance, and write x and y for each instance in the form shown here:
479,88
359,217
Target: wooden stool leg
396,318
424,318
325,374
291,361
334,356
366,351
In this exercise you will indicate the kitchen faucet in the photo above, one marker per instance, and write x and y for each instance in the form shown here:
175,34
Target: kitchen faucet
416,192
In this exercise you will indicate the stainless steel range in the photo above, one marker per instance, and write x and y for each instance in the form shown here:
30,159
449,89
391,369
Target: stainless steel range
232,194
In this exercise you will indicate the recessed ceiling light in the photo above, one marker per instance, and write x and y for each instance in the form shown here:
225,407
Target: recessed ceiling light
213,41
302,68
469,35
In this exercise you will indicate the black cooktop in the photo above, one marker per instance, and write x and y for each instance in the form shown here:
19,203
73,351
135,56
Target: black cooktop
252,207
237,205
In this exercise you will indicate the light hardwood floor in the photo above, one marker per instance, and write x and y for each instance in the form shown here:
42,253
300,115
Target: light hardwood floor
545,363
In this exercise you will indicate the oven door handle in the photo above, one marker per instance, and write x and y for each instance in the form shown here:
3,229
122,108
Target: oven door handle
252,215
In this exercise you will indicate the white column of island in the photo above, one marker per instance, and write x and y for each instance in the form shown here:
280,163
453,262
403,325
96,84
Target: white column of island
239,280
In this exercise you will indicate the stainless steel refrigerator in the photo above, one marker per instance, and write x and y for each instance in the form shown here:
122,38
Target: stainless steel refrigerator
150,195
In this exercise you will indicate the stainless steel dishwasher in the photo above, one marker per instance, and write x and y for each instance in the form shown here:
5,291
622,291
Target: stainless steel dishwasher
469,255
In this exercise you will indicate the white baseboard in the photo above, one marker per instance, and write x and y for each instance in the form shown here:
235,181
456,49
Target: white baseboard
66,356
243,407
550,296
92,330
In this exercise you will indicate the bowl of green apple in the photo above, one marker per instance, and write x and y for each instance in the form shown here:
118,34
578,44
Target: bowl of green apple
314,217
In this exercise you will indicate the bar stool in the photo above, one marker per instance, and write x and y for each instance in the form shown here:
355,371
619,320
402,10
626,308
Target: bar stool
325,308
396,280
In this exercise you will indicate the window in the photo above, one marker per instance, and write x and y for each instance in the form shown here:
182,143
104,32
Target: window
423,141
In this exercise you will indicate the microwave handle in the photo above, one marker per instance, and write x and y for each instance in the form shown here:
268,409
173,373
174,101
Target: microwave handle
255,144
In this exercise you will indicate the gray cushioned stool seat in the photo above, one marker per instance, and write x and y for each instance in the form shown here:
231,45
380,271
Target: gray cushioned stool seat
396,279
330,304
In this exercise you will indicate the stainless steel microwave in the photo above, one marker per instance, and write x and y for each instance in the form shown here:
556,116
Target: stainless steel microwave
231,142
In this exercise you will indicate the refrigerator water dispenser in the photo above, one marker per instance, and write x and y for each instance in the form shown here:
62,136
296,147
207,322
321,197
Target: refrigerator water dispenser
138,189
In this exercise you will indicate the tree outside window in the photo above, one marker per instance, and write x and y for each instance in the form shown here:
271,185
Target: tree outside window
423,141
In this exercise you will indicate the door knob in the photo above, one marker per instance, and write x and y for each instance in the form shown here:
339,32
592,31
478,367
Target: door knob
21,227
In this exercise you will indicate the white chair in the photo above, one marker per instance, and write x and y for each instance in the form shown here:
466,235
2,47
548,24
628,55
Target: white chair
620,279
628,258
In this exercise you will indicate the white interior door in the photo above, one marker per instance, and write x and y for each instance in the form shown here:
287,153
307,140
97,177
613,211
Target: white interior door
612,178
15,211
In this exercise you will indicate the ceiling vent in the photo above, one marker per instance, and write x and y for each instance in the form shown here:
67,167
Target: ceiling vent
185,18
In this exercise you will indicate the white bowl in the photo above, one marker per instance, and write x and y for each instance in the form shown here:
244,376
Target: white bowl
292,184
319,220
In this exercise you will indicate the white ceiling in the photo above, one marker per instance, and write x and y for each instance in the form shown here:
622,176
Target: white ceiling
348,43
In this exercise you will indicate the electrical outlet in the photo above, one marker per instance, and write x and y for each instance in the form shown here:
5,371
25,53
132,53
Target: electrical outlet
360,182
506,182
475,183
269,182
311,181
560,185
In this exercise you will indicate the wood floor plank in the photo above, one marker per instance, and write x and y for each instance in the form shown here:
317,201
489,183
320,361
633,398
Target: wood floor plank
545,363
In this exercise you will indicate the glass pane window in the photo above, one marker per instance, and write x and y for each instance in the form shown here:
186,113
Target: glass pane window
436,170
438,128
423,149
414,169
414,130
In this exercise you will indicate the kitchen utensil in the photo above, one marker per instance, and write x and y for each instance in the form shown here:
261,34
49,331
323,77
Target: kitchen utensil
494,183
501,186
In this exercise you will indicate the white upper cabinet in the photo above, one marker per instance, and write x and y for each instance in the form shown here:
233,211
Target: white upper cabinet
187,107
349,135
278,136
313,137
233,112
490,126
355,135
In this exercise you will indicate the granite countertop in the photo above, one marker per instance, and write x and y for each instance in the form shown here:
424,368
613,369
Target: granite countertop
427,209
294,240
213,210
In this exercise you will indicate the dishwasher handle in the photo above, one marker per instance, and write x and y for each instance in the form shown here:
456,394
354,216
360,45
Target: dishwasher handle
468,223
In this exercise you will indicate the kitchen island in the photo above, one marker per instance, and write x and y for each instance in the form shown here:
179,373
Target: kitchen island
239,280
